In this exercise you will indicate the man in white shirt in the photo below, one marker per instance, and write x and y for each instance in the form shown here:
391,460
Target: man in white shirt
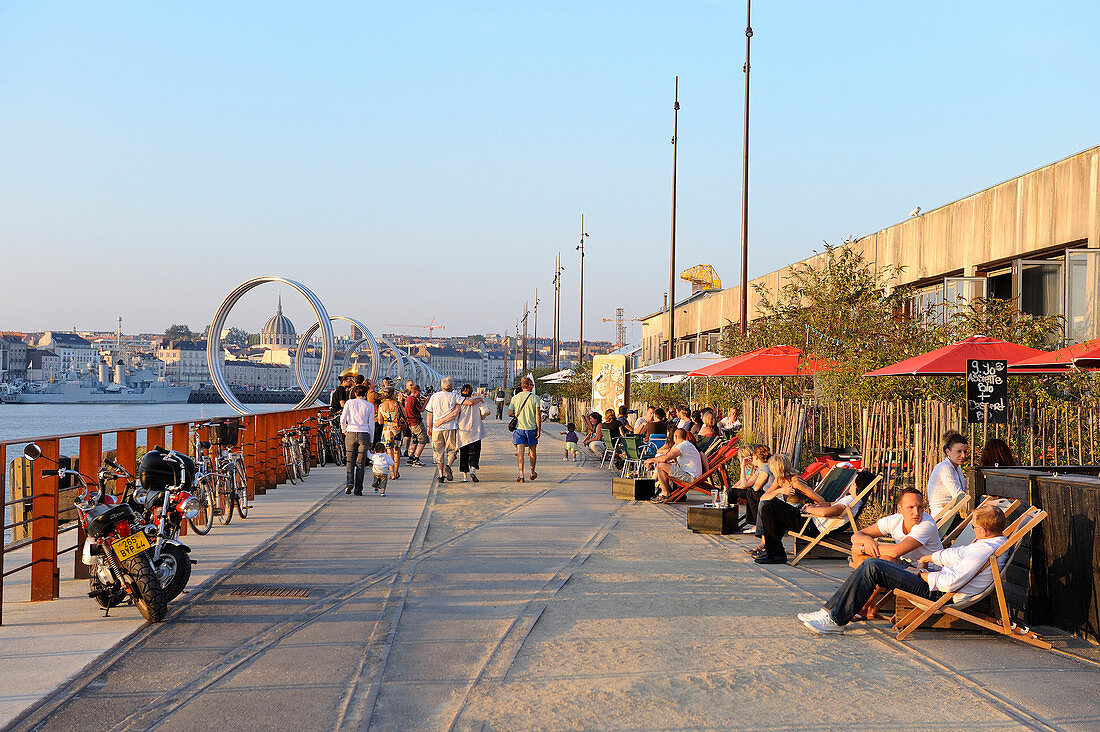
965,570
444,430
647,416
357,424
682,462
913,531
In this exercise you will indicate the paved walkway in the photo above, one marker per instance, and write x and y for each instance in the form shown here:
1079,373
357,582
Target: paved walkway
541,605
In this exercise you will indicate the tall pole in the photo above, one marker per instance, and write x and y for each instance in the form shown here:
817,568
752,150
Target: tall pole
557,312
580,334
672,247
535,352
507,356
526,312
745,182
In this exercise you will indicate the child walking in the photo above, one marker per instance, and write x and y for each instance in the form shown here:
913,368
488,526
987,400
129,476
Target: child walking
383,466
570,442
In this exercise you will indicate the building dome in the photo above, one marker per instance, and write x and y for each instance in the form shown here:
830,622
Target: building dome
278,331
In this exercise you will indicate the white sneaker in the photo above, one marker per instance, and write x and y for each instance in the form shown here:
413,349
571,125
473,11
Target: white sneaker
815,615
749,530
823,626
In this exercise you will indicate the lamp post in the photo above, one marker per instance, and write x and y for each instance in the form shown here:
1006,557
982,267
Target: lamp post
558,269
535,351
745,182
580,334
672,246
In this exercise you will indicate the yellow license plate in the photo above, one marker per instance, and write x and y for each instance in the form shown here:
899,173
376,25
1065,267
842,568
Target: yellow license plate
130,546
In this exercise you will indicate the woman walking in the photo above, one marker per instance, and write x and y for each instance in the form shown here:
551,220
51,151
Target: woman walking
357,424
471,431
392,416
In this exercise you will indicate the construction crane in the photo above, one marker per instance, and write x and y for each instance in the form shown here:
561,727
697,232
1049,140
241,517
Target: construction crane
429,327
620,326
702,277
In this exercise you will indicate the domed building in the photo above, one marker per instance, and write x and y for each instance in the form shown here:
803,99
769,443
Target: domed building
278,331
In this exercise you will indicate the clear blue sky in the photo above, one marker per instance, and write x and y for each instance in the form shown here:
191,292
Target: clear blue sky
410,161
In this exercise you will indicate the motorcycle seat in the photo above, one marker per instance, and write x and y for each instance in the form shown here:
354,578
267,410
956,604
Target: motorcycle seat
204,445
839,454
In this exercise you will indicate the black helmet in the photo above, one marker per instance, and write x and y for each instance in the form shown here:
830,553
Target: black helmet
157,471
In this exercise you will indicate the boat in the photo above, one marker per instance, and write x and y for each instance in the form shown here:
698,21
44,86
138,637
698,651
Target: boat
81,392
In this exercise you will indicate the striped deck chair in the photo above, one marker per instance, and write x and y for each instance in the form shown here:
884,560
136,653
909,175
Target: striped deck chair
837,532
702,483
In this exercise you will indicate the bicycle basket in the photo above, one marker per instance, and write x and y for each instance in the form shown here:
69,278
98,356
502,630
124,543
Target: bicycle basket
224,434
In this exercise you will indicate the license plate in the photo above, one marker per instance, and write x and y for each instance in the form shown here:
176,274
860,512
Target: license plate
131,546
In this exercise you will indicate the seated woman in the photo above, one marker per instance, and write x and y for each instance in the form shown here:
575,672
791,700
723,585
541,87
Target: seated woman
779,512
762,479
708,432
592,438
948,479
610,426
681,462
913,531
996,453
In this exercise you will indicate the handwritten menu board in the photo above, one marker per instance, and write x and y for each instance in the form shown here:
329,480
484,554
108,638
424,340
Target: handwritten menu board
987,388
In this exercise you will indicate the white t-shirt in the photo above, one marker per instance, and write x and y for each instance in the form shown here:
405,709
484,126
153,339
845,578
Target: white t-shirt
689,461
441,403
946,481
823,523
381,463
925,532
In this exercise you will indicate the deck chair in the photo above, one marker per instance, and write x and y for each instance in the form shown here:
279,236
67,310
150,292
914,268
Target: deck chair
830,536
924,608
948,516
630,452
702,483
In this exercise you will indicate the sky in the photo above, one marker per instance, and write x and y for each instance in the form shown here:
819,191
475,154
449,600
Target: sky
427,160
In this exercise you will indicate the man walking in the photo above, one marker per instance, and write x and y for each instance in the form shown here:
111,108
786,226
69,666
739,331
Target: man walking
414,410
443,427
499,399
525,408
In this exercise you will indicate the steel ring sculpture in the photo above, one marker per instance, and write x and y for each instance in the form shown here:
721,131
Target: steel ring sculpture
399,376
299,356
216,364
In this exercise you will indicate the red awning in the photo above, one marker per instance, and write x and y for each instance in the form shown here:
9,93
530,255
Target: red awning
1082,355
951,359
770,361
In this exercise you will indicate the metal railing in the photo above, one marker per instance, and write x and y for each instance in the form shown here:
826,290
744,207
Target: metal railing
259,442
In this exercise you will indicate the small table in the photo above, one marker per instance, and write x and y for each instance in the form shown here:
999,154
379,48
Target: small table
712,520
633,489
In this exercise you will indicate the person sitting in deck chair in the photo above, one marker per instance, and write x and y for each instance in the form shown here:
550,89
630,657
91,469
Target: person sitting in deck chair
964,570
913,531
682,461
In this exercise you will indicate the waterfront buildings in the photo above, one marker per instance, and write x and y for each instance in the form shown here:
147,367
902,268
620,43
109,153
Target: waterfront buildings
1035,238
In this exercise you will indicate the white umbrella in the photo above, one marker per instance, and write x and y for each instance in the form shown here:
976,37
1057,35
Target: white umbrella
681,365
557,376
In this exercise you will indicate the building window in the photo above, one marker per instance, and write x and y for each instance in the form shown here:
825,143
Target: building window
1040,287
1082,295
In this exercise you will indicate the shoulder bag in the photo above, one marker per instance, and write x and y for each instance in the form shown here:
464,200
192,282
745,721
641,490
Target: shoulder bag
514,422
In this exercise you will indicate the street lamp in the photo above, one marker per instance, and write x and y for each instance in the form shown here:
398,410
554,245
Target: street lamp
558,269
580,335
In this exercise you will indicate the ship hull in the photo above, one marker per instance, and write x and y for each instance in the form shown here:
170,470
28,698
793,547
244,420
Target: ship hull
70,394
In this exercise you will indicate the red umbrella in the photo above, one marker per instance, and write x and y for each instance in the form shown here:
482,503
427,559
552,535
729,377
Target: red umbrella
951,359
770,361
1082,355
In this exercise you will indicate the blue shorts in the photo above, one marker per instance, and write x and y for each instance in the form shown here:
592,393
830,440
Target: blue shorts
525,437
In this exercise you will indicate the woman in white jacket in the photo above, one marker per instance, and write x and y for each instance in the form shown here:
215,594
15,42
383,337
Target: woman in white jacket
948,479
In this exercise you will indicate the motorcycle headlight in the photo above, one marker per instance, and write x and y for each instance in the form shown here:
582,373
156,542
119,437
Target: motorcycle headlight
191,508
140,495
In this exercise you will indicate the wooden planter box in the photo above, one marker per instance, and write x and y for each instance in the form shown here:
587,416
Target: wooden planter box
633,489
713,520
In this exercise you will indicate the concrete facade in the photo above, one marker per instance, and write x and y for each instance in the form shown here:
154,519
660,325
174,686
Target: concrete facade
1035,237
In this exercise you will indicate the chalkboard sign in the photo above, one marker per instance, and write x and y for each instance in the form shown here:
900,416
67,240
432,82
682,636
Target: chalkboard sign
987,385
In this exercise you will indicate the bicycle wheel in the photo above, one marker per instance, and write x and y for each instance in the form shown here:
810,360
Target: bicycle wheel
288,461
240,491
322,448
340,449
225,497
299,464
307,456
205,519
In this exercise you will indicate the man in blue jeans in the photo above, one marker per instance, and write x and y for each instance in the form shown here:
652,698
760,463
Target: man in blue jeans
525,408
963,570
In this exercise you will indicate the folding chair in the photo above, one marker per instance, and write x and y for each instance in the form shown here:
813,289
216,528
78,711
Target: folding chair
702,483
843,524
948,515
609,446
631,453
924,608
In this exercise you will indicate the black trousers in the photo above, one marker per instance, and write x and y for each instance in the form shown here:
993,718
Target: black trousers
752,504
776,519
469,456
500,410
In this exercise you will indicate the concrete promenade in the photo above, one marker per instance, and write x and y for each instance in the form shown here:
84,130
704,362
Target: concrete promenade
504,605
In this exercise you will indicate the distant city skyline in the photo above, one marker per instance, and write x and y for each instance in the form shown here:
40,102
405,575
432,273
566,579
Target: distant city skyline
158,155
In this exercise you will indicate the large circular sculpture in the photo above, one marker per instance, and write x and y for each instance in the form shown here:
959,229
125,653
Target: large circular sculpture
216,363
398,362
299,357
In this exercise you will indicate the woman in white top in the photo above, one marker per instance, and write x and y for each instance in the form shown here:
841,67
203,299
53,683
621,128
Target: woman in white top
948,479
681,462
913,531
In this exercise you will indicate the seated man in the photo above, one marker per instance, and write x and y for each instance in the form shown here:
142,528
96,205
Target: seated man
965,570
681,462
913,531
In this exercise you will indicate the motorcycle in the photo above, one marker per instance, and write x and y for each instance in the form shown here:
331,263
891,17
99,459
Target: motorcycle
163,500
117,548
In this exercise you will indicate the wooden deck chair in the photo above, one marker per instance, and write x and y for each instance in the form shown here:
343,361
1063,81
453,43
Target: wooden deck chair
702,483
946,518
1001,622
843,524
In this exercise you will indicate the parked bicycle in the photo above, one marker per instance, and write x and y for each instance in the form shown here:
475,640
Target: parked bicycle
220,481
330,442
290,440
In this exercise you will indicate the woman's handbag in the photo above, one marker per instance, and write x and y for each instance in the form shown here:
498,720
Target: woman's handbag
514,422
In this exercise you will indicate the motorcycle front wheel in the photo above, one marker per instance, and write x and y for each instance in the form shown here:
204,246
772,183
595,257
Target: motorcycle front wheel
173,570
149,596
